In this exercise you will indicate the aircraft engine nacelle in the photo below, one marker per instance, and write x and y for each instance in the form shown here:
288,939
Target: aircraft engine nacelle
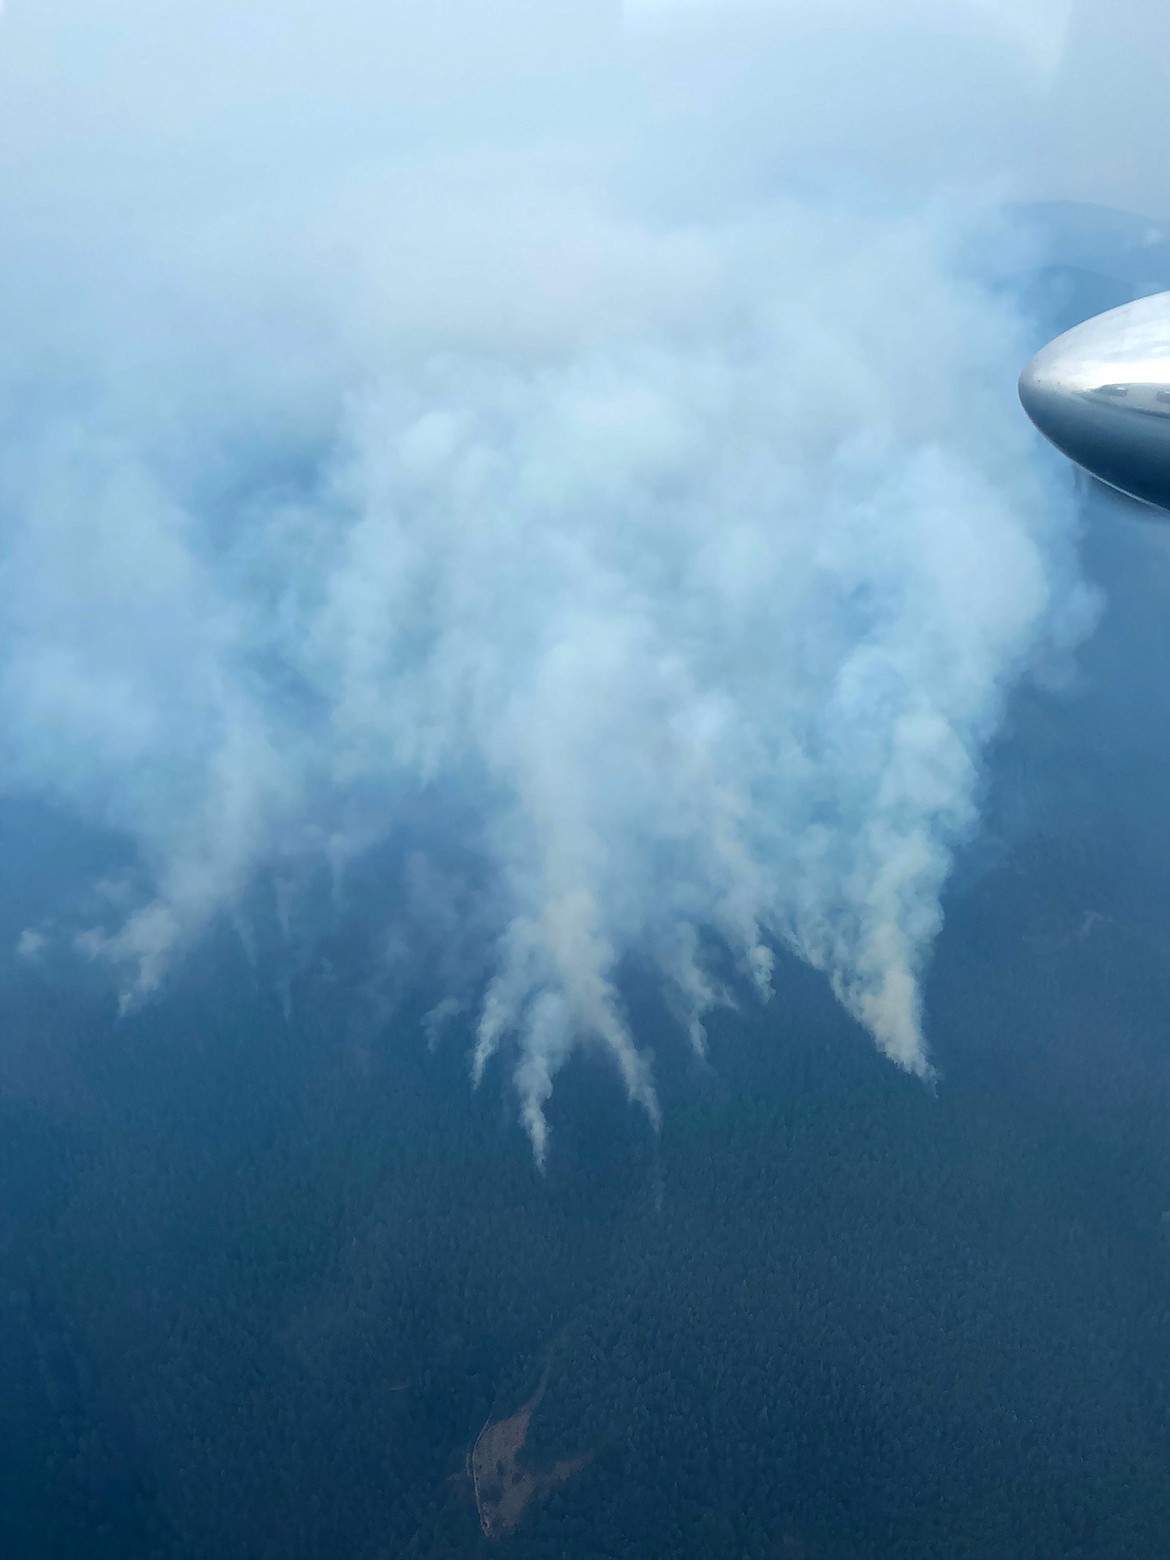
1101,394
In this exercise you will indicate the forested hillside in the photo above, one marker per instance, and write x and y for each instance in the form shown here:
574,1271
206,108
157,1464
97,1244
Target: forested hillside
270,1263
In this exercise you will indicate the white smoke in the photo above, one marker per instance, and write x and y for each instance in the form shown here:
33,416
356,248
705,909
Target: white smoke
505,430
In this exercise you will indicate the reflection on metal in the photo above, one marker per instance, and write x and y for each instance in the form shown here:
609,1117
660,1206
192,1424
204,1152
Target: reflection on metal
1101,393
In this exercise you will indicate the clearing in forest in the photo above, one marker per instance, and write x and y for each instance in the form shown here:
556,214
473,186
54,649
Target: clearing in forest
503,1489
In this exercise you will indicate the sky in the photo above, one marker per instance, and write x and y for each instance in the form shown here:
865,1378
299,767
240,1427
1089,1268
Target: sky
590,429
1106,123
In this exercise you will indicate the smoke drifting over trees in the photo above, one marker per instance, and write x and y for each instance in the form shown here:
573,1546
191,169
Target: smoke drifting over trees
451,413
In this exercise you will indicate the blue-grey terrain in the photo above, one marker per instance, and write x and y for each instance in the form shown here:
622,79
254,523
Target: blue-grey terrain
583,815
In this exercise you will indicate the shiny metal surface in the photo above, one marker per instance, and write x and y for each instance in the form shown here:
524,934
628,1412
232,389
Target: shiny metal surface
1101,394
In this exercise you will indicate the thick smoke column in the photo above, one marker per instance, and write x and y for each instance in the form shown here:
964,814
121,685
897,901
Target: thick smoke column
672,521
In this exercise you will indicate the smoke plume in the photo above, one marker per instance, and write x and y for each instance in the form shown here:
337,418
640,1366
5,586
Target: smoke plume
594,428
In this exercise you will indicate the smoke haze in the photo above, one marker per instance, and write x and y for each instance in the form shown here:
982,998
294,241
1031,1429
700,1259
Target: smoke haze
592,430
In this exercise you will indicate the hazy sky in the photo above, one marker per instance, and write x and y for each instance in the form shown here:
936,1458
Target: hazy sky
1106,125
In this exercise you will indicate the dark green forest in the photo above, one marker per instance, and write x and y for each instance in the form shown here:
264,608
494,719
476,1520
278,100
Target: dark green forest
269,1262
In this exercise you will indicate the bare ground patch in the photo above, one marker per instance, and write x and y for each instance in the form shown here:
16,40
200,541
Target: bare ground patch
503,1488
